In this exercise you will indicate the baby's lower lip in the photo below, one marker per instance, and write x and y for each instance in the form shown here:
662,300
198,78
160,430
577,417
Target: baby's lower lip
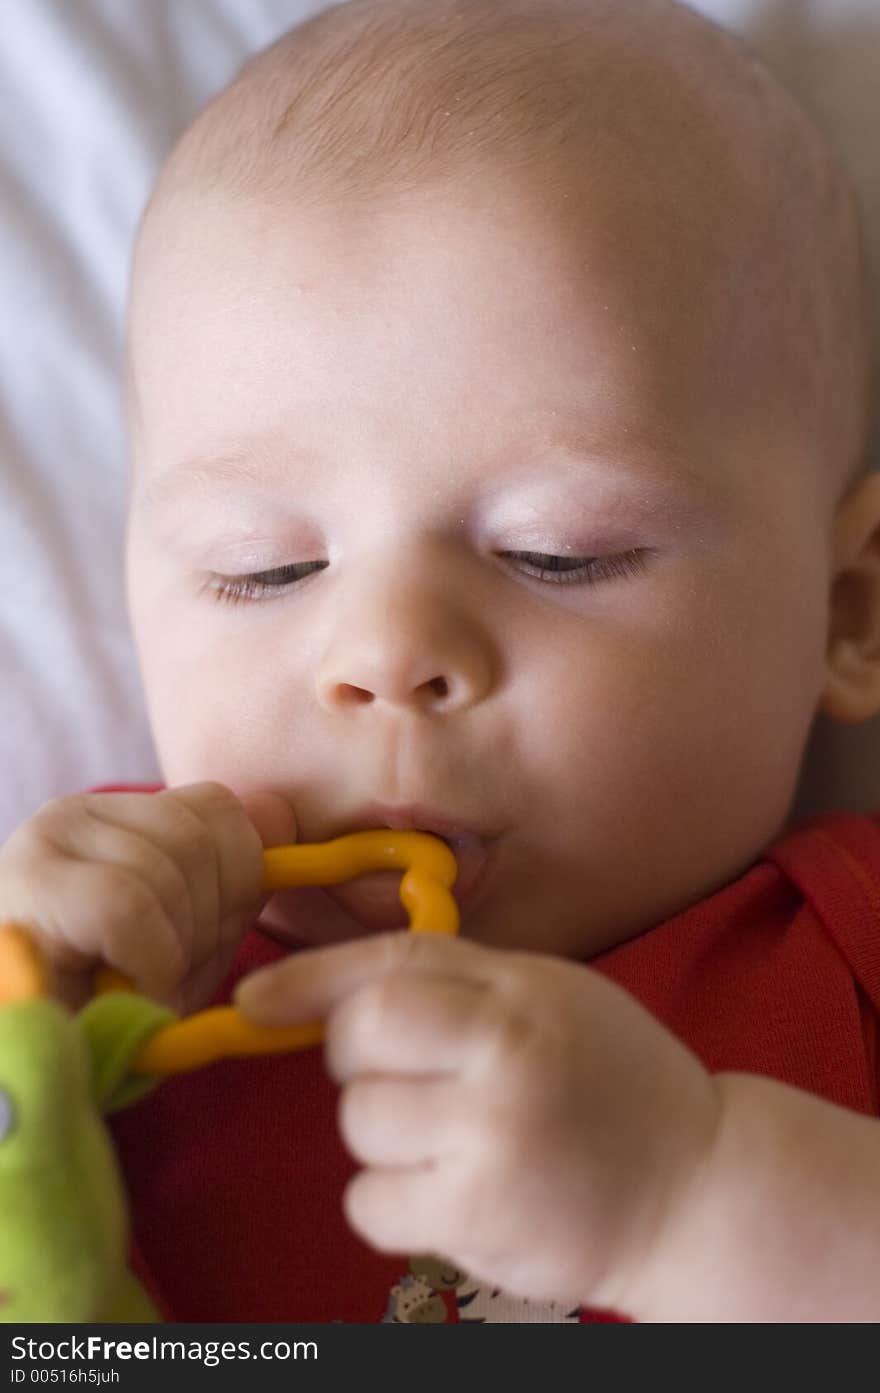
374,899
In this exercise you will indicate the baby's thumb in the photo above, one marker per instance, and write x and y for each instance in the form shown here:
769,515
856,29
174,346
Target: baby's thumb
272,816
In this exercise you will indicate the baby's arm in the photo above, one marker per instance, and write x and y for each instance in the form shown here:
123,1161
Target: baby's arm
784,1223
162,886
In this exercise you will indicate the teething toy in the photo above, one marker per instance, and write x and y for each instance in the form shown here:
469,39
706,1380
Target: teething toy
221,1031
64,1235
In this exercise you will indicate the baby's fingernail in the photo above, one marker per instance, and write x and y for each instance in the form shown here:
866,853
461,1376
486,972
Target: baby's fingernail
254,992
273,817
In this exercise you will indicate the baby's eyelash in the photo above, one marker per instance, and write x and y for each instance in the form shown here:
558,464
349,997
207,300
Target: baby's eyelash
555,570
579,570
236,589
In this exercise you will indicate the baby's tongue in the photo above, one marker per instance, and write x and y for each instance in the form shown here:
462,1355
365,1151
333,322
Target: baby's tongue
373,900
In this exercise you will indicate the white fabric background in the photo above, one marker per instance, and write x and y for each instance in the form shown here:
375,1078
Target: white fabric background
94,92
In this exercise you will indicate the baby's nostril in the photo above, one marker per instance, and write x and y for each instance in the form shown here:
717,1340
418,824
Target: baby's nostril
439,686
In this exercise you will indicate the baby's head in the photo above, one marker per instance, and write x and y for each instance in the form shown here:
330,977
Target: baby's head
498,384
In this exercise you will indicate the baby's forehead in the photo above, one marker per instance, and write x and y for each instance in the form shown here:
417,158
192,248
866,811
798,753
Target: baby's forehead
713,170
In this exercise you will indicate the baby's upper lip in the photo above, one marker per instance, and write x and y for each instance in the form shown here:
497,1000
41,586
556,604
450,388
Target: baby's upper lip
416,817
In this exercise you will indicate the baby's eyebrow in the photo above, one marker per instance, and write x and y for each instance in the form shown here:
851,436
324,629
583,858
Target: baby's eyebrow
248,468
263,465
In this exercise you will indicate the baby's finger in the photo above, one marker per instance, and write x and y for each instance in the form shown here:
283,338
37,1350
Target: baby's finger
406,1024
204,831
99,912
161,843
308,985
388,1121
272,816
228,882
399,1209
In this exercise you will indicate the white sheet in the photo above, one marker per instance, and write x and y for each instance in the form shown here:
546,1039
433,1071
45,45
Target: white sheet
94,93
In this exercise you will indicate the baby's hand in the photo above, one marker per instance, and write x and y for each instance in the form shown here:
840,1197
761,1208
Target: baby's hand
519,1115
162,886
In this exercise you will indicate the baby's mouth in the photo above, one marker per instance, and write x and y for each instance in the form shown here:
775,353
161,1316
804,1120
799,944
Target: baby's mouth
373,900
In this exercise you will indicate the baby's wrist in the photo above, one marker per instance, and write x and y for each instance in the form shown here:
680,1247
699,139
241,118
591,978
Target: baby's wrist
659,1259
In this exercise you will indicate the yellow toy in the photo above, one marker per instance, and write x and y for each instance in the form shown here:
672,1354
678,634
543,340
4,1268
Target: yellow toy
221,1031
429,870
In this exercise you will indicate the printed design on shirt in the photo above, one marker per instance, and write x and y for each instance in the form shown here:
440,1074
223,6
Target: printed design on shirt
434,1292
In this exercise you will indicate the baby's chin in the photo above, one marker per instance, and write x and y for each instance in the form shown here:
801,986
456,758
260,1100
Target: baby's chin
311,918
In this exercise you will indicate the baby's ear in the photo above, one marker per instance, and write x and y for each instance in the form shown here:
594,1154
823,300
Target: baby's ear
852,689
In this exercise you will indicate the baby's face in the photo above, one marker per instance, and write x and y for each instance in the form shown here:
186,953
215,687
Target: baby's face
447,506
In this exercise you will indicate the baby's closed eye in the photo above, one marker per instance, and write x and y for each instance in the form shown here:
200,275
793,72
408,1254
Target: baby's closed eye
556,570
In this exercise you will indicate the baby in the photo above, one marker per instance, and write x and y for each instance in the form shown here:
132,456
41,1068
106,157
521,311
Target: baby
498,387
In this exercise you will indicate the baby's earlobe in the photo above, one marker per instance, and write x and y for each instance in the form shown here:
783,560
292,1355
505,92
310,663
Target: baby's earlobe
852,691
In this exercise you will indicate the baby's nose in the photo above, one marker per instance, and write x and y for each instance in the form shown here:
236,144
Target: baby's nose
431,694
402,681
443,665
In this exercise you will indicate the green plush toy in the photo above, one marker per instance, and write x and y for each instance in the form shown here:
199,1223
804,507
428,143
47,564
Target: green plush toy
63,1209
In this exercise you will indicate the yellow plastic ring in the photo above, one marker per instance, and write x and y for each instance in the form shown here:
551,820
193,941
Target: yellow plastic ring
221,1031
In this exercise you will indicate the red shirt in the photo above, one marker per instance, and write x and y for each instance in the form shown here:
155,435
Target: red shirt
235,1172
